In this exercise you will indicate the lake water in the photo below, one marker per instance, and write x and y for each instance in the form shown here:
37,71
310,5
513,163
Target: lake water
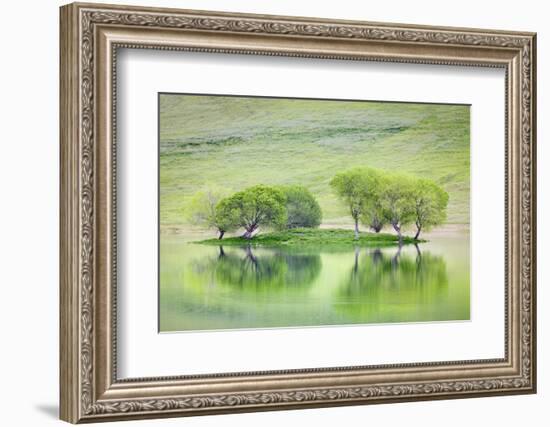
209,287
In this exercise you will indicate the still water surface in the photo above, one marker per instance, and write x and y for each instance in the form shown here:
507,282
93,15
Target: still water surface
209,287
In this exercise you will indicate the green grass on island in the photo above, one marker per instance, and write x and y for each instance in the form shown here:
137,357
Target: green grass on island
313,236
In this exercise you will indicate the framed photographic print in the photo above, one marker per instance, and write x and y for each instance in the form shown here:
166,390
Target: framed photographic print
264,212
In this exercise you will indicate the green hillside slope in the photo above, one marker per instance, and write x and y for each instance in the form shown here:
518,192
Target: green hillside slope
238,142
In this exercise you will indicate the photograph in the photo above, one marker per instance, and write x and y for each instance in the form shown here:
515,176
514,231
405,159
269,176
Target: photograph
295,212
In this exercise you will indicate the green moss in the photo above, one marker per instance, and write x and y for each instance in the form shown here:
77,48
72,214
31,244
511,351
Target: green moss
313,236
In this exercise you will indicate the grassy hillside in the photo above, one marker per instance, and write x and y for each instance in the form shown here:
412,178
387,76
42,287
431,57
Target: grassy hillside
238,142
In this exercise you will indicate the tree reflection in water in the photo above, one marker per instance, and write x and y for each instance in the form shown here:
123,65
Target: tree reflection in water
398,278
211,287
265,269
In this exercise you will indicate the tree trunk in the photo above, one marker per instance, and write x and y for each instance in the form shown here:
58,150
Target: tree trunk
397,228
376,225
356,228
417,232
221,234
248,233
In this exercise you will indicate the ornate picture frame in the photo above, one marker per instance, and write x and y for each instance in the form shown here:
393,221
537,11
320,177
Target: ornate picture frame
90,37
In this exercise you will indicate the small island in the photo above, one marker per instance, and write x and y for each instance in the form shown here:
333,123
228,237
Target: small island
315,237
292,216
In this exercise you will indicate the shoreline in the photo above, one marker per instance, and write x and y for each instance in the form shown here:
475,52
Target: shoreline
446,230
314,236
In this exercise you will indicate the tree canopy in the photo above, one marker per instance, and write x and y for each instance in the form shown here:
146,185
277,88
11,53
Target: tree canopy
253,207
356,187
372,197
377,198
430,205
372,214
302,209
202,210
397,201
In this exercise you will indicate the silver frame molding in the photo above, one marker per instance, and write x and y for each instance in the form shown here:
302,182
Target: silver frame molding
90,37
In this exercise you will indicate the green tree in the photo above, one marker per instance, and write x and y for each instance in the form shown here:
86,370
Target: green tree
202,210
302,209
373,215
226,217
430,205
372,211
357,188
397,201
253,207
